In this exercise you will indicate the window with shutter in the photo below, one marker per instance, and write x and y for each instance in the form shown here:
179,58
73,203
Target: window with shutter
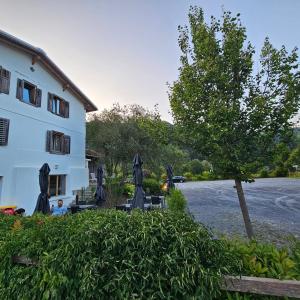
4,80
4,128
67,144
28,93
58,106
57,142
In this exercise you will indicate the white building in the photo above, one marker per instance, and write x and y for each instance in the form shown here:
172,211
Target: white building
42,120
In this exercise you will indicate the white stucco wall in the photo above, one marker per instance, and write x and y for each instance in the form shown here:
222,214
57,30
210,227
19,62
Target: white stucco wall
25,153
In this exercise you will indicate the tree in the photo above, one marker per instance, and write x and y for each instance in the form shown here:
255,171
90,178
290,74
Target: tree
233,114
117,135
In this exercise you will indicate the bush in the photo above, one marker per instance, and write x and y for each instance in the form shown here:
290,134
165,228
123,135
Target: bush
111,255
176,200
188,175
281,171
114,191
264,173
128,189
264,260
151,186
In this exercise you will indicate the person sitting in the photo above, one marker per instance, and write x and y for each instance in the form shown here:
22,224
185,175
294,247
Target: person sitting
59,210
20,212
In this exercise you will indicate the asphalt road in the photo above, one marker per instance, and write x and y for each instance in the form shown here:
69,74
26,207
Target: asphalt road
272,203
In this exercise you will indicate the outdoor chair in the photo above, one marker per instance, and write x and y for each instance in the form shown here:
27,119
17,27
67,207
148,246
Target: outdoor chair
155,202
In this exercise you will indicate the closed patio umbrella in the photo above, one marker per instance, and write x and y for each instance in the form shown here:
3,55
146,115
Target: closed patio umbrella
100,193
170,183
139,194
42,204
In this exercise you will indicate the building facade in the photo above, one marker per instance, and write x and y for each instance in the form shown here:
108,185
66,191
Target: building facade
42,120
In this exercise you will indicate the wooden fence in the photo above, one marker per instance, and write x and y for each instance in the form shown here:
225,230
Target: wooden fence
243,284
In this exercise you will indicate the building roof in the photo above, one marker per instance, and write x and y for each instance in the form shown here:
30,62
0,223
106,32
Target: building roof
41,56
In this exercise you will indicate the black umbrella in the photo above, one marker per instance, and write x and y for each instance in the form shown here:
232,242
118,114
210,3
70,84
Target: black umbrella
42,204
139,194
100,193
170,183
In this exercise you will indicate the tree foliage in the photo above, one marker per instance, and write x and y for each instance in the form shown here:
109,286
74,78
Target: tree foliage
117,134
232,112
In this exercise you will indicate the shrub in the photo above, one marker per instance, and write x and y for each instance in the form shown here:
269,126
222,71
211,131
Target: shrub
128,189
264,173
207,175
114,191
264,260
151,186
176,200
281,171
111,255
188,175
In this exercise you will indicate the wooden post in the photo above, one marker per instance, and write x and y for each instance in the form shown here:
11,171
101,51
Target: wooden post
262,286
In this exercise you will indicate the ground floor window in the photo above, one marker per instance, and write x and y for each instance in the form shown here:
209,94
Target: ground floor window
57,185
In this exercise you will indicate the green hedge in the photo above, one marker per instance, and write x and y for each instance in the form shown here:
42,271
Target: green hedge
111,255
151,186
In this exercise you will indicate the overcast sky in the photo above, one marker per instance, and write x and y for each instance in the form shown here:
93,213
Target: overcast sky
126,50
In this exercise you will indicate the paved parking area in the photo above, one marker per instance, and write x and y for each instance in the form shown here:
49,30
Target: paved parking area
272,202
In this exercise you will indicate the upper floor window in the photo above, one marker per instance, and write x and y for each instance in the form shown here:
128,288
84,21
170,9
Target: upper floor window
4,127
4,81
57,142
58,106
29,93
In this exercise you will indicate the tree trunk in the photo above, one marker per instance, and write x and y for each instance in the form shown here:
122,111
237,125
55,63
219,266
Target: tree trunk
244,208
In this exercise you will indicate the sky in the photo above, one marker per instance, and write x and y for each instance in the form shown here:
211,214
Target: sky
126,50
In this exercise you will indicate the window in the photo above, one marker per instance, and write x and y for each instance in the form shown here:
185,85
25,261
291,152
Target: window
4,127
29,93
57,185
4,81
58,106
57,142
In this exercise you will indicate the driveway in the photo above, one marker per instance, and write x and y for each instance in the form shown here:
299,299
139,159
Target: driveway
273,203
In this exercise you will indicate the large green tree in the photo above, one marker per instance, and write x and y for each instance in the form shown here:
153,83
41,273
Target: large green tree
232,112
117,134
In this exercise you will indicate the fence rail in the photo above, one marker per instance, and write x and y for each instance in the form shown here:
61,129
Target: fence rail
262,286
243,284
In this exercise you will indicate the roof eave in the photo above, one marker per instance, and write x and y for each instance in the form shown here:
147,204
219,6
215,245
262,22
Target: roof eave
39,55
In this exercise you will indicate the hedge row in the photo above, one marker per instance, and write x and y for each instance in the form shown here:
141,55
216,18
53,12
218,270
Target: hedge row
112,255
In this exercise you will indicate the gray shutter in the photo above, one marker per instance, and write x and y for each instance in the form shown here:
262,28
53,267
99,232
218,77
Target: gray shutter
32,96
66,115
4,128
67,144
50,97
4,81
38,99
20,86
49,141
61,107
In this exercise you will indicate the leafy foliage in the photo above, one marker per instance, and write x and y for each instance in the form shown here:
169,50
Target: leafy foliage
232,114
176,201
265,260
151,186
117,134
111,255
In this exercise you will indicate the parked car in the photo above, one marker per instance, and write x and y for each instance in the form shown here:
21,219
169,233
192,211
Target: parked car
178,179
